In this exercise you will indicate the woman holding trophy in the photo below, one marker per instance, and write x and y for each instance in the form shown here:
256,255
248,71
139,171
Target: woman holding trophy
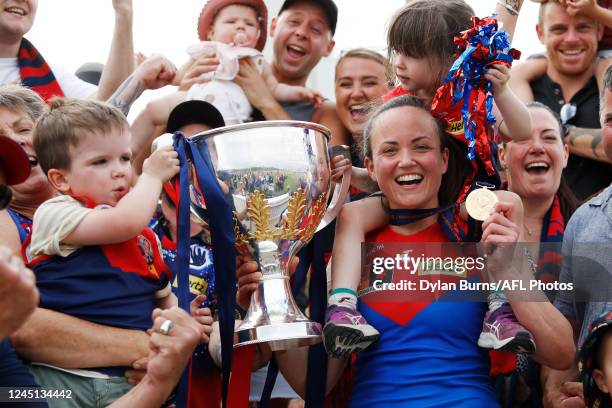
420,357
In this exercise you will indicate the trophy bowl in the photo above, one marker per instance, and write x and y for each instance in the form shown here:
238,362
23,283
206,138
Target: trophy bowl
276,176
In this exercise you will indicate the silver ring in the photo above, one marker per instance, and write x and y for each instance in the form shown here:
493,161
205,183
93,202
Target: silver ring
165,327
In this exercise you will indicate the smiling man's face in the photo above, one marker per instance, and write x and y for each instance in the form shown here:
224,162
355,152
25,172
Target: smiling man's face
571,41
16,17
301,38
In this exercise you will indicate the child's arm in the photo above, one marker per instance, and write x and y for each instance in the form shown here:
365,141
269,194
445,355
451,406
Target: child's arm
289,93
507,12
589,8
360,178
143,129
257,91
352,225
154,73
514,120
166,299
133,212
523,74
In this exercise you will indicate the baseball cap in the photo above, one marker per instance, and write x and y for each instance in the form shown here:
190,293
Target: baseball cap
13,161
593,396
90,72
191,112
328,6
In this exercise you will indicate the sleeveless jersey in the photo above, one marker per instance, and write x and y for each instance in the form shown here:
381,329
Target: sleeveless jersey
427,354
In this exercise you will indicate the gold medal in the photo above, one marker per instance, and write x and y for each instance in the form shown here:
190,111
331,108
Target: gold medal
479,203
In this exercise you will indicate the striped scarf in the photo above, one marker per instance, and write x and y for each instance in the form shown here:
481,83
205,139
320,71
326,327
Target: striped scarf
504,365
553,227
35,72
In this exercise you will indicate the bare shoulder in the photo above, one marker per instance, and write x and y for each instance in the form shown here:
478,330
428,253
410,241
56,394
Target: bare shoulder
327,116
10,236
326,112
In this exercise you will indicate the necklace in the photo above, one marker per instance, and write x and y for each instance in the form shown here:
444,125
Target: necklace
529,230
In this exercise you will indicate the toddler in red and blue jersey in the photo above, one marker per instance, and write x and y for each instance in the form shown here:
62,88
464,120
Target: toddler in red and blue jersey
90,247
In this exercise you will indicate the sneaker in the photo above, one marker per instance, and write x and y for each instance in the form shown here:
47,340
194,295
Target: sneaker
346,331
502,332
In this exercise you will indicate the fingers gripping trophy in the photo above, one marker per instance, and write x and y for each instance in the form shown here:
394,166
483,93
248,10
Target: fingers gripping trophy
276,177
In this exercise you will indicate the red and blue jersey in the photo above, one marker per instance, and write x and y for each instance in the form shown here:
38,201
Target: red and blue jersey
113,285
23,224
427,354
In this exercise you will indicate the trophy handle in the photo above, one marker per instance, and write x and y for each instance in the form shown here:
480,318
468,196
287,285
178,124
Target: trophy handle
338,199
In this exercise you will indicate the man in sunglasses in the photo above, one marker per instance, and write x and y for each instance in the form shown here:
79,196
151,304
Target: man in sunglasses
570,89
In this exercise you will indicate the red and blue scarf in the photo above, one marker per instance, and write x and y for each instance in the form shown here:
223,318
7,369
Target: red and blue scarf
548,269
35,72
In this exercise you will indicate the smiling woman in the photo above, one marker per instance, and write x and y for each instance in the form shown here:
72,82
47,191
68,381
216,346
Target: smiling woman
534,169
362,77
411,364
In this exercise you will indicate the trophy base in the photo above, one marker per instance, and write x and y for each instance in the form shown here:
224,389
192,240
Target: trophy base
280,336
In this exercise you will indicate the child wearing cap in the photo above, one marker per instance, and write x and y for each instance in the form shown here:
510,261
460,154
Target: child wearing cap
596,362
92,254
231,30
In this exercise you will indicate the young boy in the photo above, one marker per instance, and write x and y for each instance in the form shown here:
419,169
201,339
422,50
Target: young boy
596,362
92,254
230,31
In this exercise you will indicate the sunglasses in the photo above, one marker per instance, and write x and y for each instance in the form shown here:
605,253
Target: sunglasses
567,112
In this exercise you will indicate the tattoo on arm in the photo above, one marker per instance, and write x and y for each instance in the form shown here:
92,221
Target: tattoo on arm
513,6
126,94
579,137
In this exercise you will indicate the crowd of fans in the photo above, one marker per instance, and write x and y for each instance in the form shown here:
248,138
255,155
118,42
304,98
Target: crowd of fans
88,213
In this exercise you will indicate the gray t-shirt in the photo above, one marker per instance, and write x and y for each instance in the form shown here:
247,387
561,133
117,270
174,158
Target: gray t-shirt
587,262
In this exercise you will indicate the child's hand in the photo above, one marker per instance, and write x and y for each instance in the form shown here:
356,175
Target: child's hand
314,97
339,164
499,75
163,164
202,315
586,8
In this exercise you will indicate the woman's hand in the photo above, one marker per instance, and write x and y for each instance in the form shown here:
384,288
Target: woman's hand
499,236
249,275
339,164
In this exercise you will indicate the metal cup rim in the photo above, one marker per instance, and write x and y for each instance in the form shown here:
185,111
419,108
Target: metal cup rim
262,124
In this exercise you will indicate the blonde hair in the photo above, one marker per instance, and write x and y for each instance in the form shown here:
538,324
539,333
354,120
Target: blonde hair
67,124
371,55
17,98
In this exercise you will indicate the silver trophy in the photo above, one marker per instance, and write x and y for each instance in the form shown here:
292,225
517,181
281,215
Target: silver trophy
276,175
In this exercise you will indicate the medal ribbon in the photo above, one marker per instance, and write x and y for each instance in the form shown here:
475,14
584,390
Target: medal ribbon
224,250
